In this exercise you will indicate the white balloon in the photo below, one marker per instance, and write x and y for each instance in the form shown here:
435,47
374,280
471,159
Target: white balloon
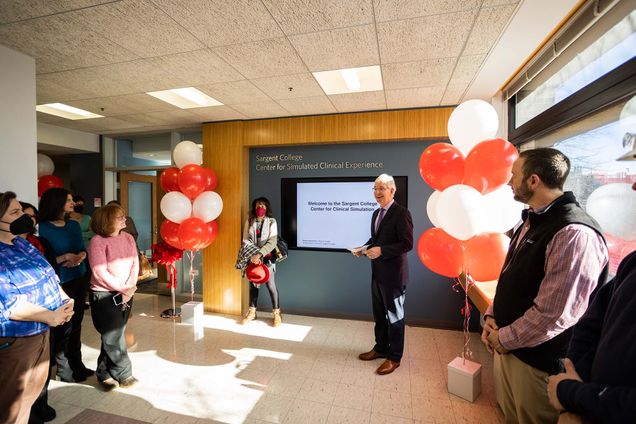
431,207
614,207
207,206
45,165
471,122
503,212
460,211
186,153
176,206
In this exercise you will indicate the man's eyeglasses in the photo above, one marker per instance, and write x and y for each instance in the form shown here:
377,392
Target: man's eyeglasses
379,189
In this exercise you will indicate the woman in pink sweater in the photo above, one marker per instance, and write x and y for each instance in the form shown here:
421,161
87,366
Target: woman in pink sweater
115,265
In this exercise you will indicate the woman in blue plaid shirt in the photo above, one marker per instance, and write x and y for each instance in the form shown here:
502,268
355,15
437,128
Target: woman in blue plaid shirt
31,301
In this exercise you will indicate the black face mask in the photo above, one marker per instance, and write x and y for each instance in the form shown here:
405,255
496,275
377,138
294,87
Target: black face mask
78,208
22,225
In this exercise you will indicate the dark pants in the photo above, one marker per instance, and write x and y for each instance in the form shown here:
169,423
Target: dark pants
273,292
24,366
67,340
388,314
110,321
39,408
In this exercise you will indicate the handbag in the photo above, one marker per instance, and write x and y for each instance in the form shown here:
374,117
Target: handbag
281,250
145,270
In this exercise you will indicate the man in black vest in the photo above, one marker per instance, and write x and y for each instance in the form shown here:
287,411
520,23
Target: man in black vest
555,260
391,239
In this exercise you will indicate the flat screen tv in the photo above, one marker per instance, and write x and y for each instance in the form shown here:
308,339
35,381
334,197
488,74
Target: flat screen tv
332,214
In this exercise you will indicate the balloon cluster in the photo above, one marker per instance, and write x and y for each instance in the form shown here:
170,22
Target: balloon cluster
190,204
471,205
46,179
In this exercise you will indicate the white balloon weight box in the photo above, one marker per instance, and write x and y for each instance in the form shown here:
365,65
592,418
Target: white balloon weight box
191,312
464,378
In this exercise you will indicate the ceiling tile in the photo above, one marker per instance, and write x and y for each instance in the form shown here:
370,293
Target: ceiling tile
336,49
216,113
86,83
100,124
391,10
424,38
234,92
221,22
498,2
414,97
48,91
453,94
302,16
142,75
302,85
371,100
174,117
123,105
60,43
466,69
490,24
17,10
308,106
426,73
266,58
266,109
197,67
140,27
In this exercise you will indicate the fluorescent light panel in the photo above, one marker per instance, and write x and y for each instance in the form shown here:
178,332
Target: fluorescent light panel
350,80
66,111
185,98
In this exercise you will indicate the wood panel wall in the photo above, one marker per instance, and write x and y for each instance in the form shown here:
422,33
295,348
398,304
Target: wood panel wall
226,150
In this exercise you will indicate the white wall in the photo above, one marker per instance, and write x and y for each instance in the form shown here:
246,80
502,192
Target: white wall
18,142
67,138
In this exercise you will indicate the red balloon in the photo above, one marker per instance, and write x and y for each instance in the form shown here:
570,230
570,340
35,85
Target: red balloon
211,180
485,255
46,182
170,233
192,180
618,249
442,165
193,233
169,179
489,165
441,253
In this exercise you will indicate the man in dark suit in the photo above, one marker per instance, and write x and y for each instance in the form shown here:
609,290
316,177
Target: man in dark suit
391,239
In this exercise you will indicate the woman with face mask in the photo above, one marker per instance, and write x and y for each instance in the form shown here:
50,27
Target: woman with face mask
31,301
41,410
82,219
65,236
261,229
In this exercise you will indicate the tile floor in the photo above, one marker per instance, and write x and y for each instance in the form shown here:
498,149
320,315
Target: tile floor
306,371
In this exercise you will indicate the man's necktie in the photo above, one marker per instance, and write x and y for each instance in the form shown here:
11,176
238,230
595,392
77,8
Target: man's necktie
379,219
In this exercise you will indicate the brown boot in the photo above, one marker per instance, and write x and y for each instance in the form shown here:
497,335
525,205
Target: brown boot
249,316
278,320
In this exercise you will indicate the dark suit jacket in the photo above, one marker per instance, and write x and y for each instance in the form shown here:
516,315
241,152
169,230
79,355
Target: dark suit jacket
395,238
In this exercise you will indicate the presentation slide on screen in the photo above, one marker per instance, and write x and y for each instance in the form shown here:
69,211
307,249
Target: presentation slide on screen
334,215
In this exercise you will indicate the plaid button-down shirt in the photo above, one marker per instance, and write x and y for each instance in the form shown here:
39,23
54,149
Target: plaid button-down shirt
25,276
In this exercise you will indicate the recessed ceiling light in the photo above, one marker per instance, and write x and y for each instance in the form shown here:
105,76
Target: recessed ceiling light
185,98
350,80
66,111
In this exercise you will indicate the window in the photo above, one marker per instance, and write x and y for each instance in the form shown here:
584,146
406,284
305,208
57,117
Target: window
600,178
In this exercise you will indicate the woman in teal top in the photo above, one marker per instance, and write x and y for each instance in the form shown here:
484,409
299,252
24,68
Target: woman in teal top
65,237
